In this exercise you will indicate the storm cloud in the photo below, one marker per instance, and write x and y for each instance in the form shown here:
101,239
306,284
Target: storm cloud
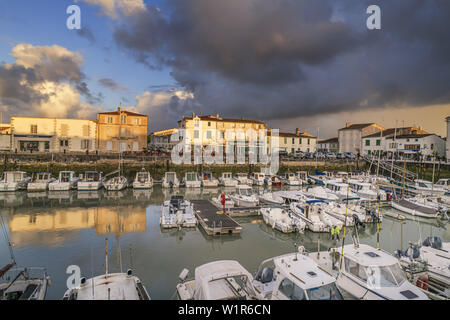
287,58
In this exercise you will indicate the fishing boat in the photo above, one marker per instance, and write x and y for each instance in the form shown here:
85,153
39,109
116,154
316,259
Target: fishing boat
218,280
340,189
244,197
258,178
367,273
109,286
290,179
226,180
272,180
91,181
415,208
294,276
271,198
282,220
242,178
177,212
143,180
40,181
302,176
208,180
191,180
170,180
321,193
66,181
14,181
310,215
228,202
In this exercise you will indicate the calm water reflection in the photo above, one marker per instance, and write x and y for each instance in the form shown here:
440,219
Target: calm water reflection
55,230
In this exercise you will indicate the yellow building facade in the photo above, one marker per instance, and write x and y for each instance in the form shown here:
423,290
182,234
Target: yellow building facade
34,134
122,131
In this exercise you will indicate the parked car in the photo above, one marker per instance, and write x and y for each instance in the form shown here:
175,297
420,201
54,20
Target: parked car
299,154
349,155
331,156
340,156
282,153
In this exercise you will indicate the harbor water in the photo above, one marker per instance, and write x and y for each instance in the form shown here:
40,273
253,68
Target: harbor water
57,230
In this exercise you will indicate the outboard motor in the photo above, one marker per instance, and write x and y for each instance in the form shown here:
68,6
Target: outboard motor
171,184
358,222
433,242
374,216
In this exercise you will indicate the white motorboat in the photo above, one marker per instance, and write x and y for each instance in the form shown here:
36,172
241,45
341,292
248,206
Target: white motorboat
40,181
191,180
228,202
321,193
443,183
309,214
272,180
66,181
365,190
430,201
367,273
110,286
415,208
258,178
290,179
91,181
242,178
208,180
218,280
282,220
14,181
271,198
303,177
23,283
339,211
170,180
177,213
428,188
294,276
116,183
244,197
340,189
143,180
226,180
321,178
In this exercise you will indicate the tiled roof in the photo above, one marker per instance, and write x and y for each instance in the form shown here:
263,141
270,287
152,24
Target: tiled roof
332,140
129,113
213,118
357,126
400,131
409,136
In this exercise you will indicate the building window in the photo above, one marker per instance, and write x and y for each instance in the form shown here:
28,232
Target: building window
123,119
64,143
378,142
196,134
293,140
47,145
208,134
209,124
308,141
367,142
33,128
196,123
285,140
110,120
85,131
137,121
85,144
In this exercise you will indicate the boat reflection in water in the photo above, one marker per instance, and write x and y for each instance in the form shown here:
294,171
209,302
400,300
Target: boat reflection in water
142,194
89,195
59,225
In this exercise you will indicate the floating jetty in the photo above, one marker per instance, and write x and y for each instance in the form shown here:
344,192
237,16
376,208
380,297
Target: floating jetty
212,222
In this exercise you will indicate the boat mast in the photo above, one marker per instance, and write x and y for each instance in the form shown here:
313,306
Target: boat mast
432,178
106,256
8,240
393,145
379,153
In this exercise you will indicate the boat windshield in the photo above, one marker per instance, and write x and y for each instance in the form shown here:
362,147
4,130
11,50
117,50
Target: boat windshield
386,276
142,177
92,176
291,291
326,292
65,176
246,192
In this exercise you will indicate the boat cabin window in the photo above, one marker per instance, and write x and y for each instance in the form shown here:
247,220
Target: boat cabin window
423,185
142,176
246,192
92,176
65,176
355,269
227,175
291,291
386,276
326,292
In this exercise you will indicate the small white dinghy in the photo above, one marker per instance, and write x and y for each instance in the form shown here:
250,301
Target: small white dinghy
294,276
244,197
14,181
218,280
40,182
271,198
66,181
226,180
143,180
320,193
177,213
368,273
281,220
116,183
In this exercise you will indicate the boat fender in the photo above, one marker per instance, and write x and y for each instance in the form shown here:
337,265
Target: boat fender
422,282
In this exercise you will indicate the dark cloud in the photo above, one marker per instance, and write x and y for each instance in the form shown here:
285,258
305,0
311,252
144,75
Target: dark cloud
282,59
86,33
111,84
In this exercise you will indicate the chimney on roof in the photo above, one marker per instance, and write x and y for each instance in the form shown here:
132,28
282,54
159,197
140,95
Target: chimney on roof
217,115
193,115
242,118
347,124
118,109
297,131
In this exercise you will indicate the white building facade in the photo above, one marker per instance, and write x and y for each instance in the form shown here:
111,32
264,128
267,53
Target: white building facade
428,145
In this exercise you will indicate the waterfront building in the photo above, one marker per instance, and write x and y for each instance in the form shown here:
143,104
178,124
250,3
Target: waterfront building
292,142
428,145
5,137
447,142
163,139
328,145
211,131
35,134
377,142
122,131
350,136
